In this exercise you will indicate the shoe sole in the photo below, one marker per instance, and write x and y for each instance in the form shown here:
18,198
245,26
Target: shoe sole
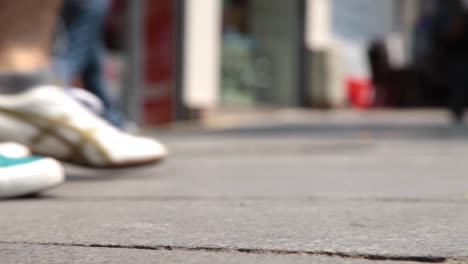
125,165
30,179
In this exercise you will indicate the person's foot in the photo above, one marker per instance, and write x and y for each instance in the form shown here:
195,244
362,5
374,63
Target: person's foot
53,124
28,176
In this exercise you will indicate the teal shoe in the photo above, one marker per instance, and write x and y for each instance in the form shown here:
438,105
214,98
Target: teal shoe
29,175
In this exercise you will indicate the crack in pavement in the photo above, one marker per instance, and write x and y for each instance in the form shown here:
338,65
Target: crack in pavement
344,255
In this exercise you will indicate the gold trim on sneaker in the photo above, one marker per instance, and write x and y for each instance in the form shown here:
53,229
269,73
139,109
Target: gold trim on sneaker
77,155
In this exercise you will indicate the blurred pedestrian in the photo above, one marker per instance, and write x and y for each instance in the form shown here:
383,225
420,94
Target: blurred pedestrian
451,34
83,54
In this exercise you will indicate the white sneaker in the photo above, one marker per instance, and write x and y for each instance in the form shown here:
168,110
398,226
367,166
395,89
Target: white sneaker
14,150
27,176
51,123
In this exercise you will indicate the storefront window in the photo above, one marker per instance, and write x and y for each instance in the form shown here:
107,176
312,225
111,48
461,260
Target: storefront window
260,52
238,56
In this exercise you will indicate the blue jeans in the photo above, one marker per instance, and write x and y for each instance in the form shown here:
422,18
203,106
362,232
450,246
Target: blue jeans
83,24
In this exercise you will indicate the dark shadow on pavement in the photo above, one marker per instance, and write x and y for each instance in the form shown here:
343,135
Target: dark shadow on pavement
78,173
379,131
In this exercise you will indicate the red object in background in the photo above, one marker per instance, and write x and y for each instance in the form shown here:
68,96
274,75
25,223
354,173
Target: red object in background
159,62
360,93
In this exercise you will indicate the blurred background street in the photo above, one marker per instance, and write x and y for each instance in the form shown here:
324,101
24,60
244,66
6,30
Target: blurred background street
176,60
299,131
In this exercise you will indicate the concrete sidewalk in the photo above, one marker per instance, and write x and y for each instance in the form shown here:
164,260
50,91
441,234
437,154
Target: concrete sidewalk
309,189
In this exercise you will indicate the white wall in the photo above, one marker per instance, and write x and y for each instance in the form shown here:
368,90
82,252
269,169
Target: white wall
202,53
318,24
362,19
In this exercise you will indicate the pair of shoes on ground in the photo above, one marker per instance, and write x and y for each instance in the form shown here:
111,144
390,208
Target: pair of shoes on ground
22,174
51,123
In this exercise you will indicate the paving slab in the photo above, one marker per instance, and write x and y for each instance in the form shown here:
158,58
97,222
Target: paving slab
43,254
369,176
353,228
320,192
